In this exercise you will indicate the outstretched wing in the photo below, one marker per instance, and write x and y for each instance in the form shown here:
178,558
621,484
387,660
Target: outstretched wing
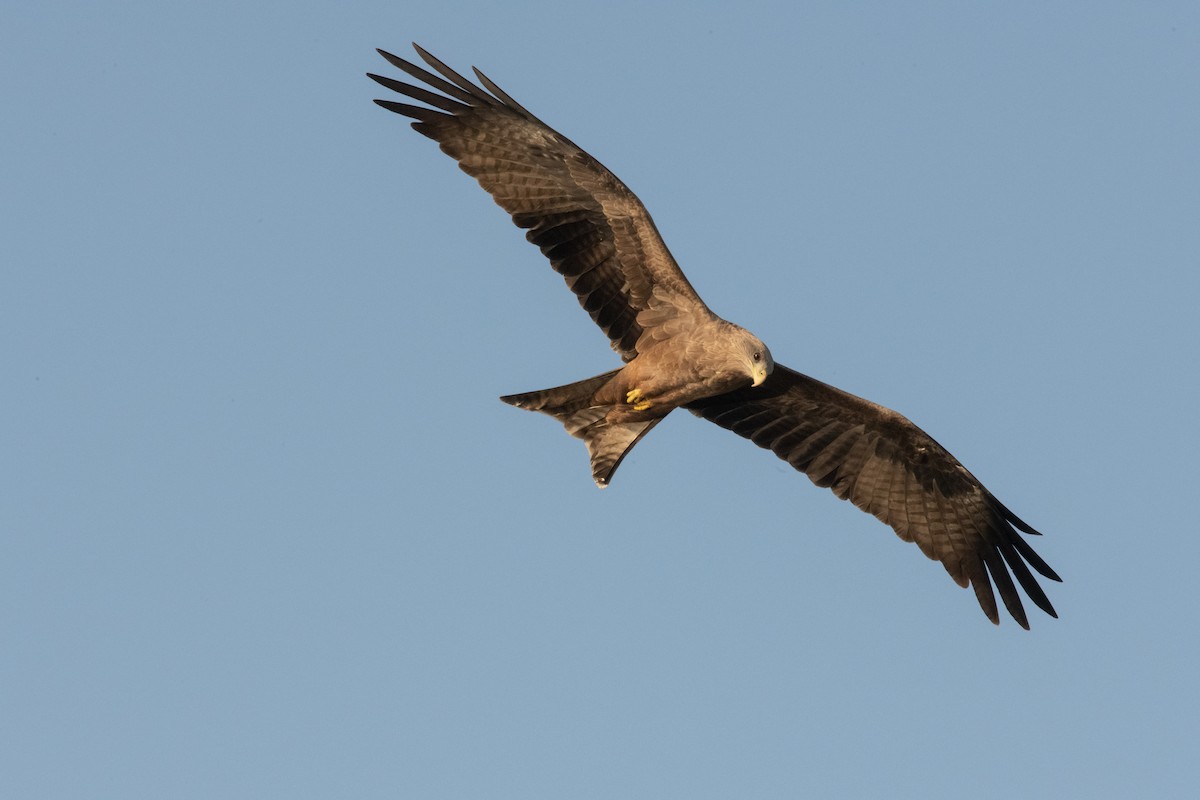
596,232
887,466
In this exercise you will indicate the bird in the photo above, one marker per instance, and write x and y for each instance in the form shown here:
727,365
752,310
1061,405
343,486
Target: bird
677,353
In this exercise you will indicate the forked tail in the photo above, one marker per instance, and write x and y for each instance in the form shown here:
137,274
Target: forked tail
574,406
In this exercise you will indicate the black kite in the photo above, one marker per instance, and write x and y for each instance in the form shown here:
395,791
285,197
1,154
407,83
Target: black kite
678,353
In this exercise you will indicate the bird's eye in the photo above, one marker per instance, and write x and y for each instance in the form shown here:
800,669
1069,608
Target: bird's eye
757,356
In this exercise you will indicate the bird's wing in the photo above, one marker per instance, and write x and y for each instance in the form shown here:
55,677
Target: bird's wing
596,232
887,466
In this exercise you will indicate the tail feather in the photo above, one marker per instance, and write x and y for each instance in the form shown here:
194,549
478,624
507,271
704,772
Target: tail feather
608,444
561,399
572,405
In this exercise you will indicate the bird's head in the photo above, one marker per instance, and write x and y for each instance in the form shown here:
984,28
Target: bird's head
758,359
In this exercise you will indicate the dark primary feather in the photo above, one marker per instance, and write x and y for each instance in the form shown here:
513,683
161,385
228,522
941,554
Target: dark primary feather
595,231
887,466
600,238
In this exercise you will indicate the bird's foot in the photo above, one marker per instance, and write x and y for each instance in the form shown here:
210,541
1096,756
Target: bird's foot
636,399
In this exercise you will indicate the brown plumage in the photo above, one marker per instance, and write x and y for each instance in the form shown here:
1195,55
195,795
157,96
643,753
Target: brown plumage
677,353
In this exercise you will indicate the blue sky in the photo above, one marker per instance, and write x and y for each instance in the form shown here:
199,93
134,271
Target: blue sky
266,531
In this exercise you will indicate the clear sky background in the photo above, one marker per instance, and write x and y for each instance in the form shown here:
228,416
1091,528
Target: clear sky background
266,531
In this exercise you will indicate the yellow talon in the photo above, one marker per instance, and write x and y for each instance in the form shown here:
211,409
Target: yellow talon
636,399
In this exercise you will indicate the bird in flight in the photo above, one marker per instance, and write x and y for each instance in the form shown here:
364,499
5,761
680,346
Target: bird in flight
679,354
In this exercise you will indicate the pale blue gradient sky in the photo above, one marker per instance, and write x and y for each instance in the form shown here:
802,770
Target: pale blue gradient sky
265,530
